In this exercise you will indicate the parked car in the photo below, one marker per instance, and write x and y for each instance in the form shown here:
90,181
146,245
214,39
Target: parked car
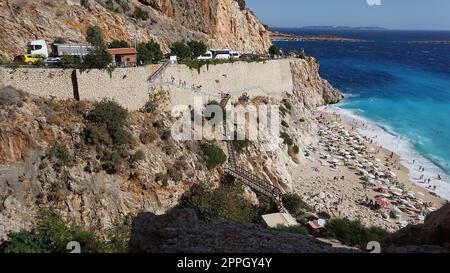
235,55
31,59
51,61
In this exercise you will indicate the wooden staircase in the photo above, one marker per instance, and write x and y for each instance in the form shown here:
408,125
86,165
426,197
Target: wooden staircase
256,183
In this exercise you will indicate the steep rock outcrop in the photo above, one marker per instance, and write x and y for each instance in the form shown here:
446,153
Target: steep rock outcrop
220,23
435,231
309,87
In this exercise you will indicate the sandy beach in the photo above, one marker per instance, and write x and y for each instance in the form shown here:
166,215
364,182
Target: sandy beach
350,177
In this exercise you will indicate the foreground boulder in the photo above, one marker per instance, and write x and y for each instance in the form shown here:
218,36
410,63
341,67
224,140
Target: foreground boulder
434,232
180,231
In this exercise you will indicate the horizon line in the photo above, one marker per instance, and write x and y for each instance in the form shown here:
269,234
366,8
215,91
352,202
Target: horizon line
381,28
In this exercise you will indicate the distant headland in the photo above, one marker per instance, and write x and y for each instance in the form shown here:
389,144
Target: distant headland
342,28
281,36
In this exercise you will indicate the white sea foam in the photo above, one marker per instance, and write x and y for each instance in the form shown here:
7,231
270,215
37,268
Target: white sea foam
410,157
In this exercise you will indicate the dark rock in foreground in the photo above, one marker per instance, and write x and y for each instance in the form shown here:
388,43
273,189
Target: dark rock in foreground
434,232
180,231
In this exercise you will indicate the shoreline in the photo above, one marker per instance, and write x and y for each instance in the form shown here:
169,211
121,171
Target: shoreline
409,158
334,180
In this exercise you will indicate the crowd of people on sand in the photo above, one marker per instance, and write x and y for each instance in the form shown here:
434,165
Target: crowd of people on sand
340,147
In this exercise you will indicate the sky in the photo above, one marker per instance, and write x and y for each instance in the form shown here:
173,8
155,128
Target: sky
392,14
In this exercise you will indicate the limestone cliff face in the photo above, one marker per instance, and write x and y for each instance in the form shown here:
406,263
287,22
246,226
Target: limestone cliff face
30,126
80,191
227,23
220,23
309,87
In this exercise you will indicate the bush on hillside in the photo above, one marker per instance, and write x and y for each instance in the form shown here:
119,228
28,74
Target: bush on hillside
148,136
68,61
99,57
214,155
149,52
94,36
295,204
61,155
106,131
197,48
224,203
353,233
136,157
140,14
274,50
110,114
181,49
52,234
287,139
118,44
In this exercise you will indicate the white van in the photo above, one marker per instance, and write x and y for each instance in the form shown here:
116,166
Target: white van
206,56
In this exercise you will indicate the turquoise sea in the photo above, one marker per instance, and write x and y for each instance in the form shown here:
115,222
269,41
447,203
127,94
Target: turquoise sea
399,83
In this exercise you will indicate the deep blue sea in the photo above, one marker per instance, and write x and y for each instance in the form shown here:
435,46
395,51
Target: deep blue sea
397,84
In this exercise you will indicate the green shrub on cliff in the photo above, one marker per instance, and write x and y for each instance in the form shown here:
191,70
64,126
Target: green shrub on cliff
353,233
295,204
61,155
106,131
224,203
140,14
113,116
52,234
213,154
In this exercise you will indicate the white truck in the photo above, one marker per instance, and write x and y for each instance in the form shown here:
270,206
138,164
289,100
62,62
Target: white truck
39,47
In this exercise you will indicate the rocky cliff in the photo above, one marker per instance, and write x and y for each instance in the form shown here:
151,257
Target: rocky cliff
30,179
434,232
220,23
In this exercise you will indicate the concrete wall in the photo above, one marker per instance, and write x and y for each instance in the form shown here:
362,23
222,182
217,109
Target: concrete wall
127,86
130,88
272,78
39,82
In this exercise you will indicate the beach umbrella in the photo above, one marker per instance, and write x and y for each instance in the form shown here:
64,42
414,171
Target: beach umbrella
392,174
396,193
383,203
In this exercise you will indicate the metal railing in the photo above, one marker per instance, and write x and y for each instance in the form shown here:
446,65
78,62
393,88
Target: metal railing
256,183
